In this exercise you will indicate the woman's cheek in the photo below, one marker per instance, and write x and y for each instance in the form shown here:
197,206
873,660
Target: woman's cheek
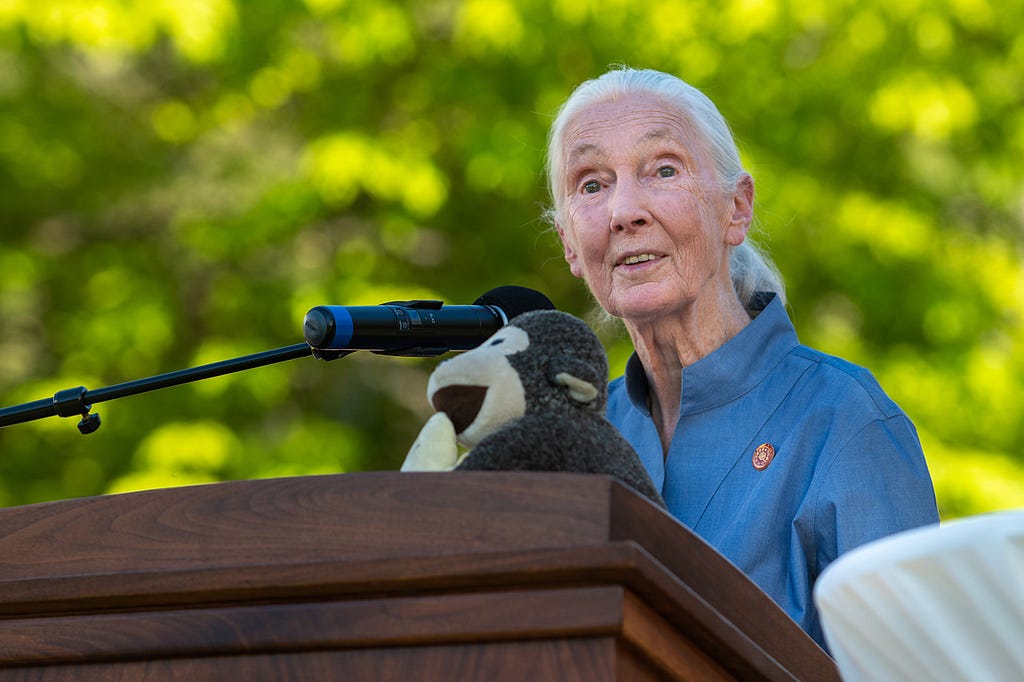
585,216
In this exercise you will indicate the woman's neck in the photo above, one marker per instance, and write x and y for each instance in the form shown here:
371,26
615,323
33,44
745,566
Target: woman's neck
667,345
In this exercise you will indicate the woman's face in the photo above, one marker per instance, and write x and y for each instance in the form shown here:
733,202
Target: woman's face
644,221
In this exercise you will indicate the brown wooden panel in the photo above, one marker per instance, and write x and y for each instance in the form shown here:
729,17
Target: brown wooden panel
325,553
663,648
359,623
557,660
727,590
316,518
630,665
620,564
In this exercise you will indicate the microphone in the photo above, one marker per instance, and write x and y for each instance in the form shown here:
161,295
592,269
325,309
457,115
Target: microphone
418,328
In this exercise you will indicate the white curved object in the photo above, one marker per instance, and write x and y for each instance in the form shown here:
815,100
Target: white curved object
936,603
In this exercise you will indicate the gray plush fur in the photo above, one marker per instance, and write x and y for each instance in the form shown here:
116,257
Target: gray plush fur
558,432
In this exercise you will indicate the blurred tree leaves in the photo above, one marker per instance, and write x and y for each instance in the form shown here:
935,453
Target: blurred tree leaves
180,181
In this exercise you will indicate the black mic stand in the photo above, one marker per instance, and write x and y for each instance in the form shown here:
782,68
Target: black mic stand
79,401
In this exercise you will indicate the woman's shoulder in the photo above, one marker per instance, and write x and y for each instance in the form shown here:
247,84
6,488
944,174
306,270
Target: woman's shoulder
844,381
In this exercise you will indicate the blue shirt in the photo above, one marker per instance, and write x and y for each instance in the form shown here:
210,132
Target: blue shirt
847,467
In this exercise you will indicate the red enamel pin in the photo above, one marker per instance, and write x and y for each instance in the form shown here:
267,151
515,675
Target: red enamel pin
763,455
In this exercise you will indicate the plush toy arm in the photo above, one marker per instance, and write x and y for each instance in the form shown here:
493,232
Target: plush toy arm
435,448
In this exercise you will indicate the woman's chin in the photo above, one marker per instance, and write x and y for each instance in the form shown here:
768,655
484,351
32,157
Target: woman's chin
640,306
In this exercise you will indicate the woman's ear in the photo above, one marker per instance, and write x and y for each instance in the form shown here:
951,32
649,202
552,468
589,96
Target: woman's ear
742,210
570,253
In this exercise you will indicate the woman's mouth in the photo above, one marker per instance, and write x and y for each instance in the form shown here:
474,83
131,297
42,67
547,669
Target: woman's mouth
638,258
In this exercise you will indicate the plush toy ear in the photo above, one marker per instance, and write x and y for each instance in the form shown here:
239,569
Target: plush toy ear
577,378
580,390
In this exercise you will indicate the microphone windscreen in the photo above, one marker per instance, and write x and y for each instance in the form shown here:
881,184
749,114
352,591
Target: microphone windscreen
513,300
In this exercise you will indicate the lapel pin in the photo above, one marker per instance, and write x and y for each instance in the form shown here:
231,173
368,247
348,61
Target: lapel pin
763,456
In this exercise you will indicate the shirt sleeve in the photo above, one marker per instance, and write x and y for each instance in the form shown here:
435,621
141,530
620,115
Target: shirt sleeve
877,484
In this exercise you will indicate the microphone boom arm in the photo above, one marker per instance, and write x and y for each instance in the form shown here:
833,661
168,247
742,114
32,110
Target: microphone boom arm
79,401
404,328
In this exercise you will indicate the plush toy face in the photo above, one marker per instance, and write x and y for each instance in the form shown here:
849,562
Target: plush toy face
480,390
530,398
511,373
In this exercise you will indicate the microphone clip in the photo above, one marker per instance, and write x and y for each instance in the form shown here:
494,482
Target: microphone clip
70,402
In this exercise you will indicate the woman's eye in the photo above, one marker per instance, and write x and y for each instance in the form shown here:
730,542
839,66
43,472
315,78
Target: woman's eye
591,187
666,172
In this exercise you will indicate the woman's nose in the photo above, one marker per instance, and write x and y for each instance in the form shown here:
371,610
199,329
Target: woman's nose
628,207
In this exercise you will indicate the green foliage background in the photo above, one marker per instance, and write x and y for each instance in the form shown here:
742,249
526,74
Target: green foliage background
180,180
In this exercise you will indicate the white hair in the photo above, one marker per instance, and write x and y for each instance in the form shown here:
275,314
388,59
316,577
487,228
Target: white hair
752,271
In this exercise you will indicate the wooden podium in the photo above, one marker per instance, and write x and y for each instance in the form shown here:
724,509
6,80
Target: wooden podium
382,576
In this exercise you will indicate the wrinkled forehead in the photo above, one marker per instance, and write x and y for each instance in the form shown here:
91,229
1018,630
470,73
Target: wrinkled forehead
604,129
638,112
591,144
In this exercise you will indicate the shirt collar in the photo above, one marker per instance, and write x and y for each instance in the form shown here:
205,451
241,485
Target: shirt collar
731,370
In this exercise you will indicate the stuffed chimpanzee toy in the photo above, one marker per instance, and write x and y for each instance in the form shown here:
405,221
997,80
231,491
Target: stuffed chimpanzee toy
530,398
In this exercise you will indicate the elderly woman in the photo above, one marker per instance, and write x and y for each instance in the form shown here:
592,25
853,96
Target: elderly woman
780,456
